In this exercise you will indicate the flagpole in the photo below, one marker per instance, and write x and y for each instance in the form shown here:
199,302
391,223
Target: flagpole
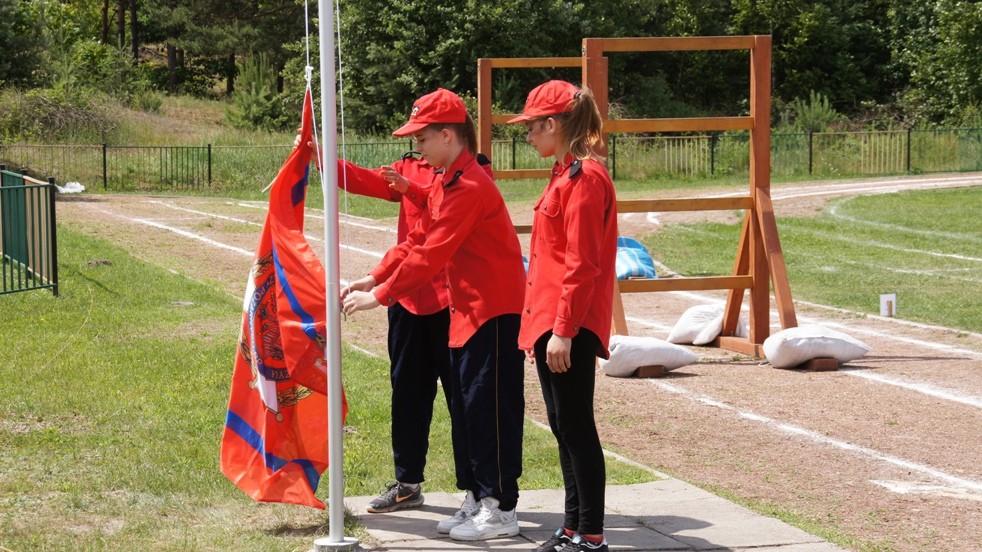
336,539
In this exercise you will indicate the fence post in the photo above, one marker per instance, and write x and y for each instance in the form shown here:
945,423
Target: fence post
105,177
514,141
53,232
811,150
613,156
908,150
209,165
712,153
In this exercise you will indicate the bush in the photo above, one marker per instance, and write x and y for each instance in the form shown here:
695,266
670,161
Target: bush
56,115
256,105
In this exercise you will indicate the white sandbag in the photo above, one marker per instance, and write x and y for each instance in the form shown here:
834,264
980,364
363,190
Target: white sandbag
794,346
70,188
702,324
628,353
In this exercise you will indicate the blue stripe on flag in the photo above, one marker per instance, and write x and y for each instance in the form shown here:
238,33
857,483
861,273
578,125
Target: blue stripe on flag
306,320
299,190
252,437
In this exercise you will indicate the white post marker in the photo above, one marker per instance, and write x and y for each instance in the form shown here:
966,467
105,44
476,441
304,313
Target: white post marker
329,154
888,304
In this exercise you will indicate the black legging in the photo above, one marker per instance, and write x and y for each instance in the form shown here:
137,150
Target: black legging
569,407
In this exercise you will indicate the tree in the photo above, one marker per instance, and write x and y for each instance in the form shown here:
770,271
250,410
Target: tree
21,53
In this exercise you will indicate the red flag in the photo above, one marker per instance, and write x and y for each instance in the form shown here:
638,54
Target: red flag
274,446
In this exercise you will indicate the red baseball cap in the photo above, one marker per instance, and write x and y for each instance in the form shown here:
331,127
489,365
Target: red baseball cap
550,98
442,106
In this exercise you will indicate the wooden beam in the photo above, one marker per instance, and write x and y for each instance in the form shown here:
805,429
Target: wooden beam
619,318
642,285
523,228
595,77
484,117
671,44
775,258
739,345
690,124
686,204
741,267
530,63
502,118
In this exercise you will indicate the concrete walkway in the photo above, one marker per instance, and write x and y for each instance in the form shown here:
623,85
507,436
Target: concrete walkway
661,515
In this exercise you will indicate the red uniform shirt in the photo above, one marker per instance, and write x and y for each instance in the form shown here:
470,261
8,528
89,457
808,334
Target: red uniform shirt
467,229
430,297
573,250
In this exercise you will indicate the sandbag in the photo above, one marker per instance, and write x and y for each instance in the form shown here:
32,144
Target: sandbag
702,324
793,346
628,353
633,260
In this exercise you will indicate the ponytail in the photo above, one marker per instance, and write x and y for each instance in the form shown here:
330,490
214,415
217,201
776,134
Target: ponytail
464,131
582,126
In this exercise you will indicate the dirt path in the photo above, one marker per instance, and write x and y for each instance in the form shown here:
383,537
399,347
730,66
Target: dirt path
886,451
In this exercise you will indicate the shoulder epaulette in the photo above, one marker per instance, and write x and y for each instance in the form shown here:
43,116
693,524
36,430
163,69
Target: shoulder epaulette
575,167
410,155
483,159
454,179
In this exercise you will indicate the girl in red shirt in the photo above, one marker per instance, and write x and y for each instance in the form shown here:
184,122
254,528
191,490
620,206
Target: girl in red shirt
466,230
569,296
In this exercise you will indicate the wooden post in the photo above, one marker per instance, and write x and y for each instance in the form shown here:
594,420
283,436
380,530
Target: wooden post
484,106
595,78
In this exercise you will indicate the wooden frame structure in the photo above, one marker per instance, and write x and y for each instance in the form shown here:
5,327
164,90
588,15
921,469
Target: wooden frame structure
759,260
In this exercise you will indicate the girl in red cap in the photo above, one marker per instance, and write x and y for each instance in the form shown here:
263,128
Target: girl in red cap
569,298
418,329
466,230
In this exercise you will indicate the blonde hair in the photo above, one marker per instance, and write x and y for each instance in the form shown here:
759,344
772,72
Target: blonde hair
581,126
464,131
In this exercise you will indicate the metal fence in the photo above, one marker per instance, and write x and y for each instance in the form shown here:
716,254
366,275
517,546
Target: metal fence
28,236
219,168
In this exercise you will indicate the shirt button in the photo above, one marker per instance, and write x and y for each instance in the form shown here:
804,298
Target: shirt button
528,311
389,299
452,309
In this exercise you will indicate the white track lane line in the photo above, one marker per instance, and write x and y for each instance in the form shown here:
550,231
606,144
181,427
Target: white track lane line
704,299
368,252
321,217
190,235
925,388
834,213
809,435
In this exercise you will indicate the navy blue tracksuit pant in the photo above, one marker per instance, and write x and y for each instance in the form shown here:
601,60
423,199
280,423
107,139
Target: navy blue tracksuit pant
487,409
419,355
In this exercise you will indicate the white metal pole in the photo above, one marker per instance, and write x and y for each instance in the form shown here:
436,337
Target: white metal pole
325,14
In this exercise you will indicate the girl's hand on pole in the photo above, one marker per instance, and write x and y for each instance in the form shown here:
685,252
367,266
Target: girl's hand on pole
365,283
356,301
557,353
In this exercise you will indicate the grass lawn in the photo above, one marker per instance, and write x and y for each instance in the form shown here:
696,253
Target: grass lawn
113,402
925,246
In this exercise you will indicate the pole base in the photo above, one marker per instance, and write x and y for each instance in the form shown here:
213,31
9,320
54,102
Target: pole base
349,544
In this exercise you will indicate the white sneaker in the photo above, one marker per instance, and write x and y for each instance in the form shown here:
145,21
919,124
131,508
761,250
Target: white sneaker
469,508
489,523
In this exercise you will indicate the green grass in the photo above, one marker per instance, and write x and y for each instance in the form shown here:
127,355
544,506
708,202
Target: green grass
924,246
113,402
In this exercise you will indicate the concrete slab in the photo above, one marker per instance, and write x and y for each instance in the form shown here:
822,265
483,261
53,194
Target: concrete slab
665,515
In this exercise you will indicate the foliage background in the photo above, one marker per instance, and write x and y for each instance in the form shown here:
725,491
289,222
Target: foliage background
879,63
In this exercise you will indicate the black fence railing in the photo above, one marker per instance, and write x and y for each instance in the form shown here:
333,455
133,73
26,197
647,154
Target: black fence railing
218,168
28,235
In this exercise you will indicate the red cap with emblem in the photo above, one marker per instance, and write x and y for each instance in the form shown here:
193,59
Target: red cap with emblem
551,98
440,107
